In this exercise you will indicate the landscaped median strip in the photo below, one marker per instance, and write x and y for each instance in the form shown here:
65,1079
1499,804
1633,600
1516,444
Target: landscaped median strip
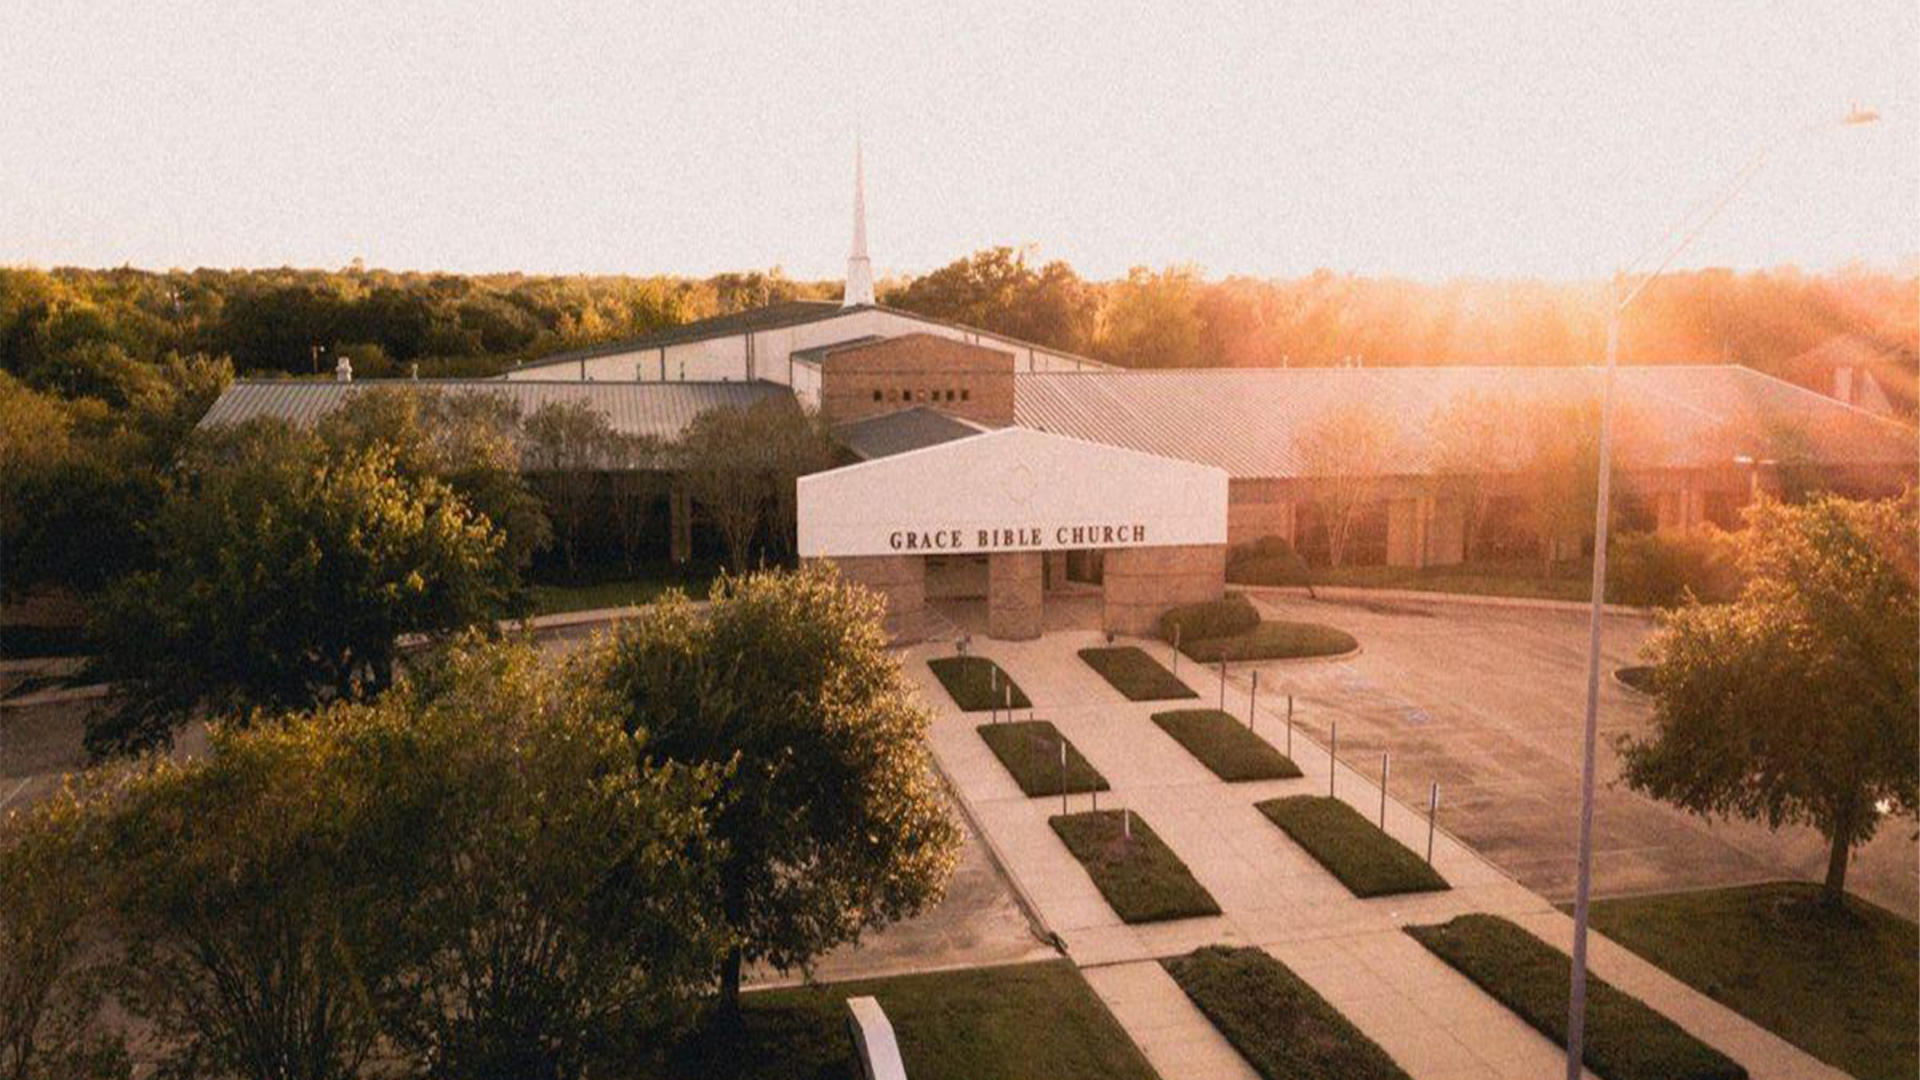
1275,1020
1273,641
977,684
1135,674
1030,749
1367,861
1224,745
1625,1040
1140,876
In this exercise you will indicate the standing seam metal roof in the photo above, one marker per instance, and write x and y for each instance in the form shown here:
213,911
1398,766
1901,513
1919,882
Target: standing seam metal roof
661,409
1249,422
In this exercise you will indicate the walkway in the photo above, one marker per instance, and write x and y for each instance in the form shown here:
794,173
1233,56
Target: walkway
1274,896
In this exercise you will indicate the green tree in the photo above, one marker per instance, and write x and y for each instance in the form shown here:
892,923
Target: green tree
1796,702
256,917
284,578
569,446
468,441
1472,438
632,486
1346,453
49,891
1152,320
724,462
998,290
796,442
831,819
562,908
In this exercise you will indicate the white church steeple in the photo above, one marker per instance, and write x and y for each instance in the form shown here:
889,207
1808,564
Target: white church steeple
859,270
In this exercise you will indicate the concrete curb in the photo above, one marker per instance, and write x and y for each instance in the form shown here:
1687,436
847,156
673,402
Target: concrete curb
1416,596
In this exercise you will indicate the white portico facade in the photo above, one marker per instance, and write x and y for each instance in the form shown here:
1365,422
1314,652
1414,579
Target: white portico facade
1014,497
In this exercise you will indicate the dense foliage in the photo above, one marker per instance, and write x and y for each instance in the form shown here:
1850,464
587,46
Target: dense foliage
285,574
477,874
832,820
1795,702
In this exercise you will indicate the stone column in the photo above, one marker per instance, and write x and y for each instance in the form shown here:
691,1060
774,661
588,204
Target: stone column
1142,583
1015,606
1403,532
902,580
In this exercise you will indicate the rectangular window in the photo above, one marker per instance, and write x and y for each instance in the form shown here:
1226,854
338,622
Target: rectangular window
966,395
876,395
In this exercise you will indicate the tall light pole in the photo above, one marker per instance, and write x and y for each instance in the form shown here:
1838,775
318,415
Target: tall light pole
1682,237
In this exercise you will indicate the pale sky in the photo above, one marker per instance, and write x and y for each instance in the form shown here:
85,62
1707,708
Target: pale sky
1266,139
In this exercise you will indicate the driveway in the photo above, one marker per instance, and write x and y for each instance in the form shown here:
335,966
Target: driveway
1489,702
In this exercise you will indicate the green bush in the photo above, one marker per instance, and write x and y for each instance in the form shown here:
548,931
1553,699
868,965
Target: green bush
1225,746
1276,1021
1269,560
1140,876
977,684
1655,570
1135,674
1367,861
1625,1040
1209,619
1273,641
1030,749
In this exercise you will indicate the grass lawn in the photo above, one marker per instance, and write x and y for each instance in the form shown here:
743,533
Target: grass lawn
1840,985
1273,640
1135,674
1625,1039
1224,745
999,1023
977,684
632,592
1030,749
1141,877
1276,1021
1367,861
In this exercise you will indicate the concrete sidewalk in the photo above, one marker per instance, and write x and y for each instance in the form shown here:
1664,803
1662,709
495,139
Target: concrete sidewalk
1273,895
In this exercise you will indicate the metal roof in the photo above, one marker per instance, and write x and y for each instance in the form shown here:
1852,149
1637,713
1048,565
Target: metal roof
817,353
661,409
903,430
1249,422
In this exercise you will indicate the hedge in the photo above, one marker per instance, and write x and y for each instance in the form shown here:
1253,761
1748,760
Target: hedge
1273,641
1625,1040
1209,619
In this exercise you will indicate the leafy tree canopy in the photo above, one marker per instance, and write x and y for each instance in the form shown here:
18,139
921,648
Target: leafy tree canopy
1796,702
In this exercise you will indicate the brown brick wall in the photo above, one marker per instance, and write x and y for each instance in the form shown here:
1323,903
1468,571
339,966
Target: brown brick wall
1140,584
918,369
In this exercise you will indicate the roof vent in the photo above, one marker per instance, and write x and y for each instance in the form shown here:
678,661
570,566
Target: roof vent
343,371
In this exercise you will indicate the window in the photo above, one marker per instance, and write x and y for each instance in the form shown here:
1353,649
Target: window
966,395
876,395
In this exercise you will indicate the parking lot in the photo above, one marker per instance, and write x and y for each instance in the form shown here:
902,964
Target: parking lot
1488,702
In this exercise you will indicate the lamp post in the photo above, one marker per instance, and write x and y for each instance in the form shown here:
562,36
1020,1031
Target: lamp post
1687,231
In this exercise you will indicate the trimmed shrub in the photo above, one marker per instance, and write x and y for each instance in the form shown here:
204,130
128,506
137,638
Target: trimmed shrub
1269,560
1273,641
1209,619
1654,570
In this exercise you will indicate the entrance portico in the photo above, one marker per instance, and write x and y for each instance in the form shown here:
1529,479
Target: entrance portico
1013,495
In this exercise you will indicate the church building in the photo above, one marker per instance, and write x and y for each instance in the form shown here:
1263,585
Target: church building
998,469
